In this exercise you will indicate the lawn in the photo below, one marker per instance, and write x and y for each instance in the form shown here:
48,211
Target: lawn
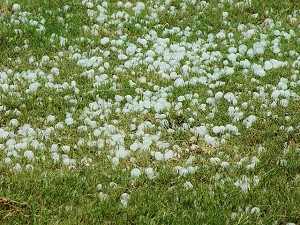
150,112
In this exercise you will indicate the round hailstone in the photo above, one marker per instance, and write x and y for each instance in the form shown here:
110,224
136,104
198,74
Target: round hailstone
65,148
7,160
97,132
17,167
28,154
284,102
103,196
158,107
188,185
217,129
134,146
142,79
119,98
14,122
115,161
69,121
181,98
121,153
169,155
268,65
224,164
50,118
150,173
158,156
192,169
99,187
215,160
135,173
34,86
55,156
16,7
124,199
219,95
201,130
104,41
255,210
29,167
179,82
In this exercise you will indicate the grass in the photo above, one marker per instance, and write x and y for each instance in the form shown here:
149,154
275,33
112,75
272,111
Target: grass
59,193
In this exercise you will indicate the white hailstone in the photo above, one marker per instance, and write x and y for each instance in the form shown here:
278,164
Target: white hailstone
35,144
219,95
89,5
158,156
103,196
217,129
224,15
215,160
229,96
86,161
7,160
173,75
158,107
255,210
119,98
16,7
112,185
65,148
201,130
66,161
224,164
192,169
210,140
169,155
115,161
34,86
29,154
124,199
135,173
230,70
181,98
188,185
50,118
69,121
220,35
183,172
249,120
122,56
284,102
104,41
97,132
54,148
128,5
14,122
147,104
150,173
17,167
275,94
99,187
268,65
134,146
233,215
122,153
55,156
179,82
185,69
142,79
29,167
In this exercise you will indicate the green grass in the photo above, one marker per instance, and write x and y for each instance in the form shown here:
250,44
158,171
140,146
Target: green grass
54,193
